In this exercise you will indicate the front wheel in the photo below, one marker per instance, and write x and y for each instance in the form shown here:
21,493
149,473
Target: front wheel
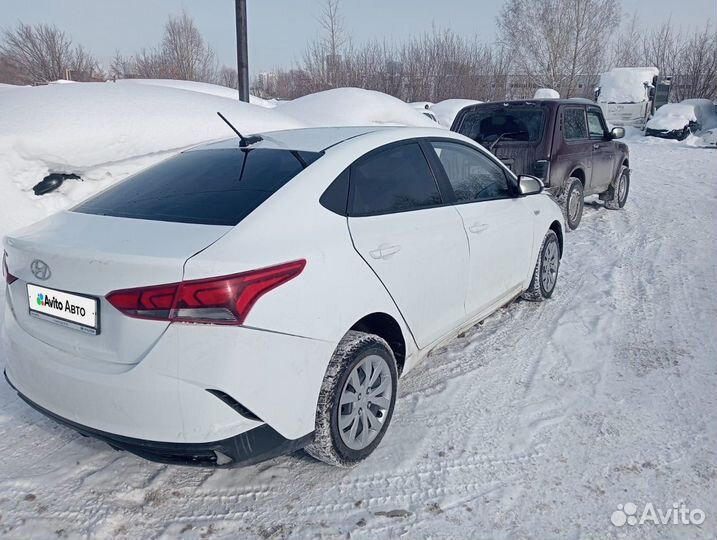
545,275
618,191
356,400
572,201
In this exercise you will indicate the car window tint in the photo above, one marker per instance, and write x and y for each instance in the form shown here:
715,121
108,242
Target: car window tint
511,124
595,125
473,176
394,180
574,125
212,187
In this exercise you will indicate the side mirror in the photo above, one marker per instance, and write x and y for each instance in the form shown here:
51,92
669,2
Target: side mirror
617,133
529,185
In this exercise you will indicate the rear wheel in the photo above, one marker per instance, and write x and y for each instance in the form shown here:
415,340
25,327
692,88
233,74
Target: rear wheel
571,201
545,275
356,400
616,195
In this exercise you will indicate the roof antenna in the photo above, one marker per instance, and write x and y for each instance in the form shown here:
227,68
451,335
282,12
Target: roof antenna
243,141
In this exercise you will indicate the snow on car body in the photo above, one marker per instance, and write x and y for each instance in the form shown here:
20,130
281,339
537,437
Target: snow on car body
626,95
679,120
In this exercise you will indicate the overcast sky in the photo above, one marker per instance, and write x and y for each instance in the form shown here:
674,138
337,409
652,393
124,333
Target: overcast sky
279,29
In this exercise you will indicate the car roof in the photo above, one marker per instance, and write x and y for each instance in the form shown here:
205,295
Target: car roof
539,101
303,139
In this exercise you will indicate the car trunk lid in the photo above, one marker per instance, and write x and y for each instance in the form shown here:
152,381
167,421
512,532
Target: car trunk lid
91,255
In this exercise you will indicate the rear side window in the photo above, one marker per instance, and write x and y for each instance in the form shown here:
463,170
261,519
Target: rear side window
513,123
574,126
396,179
212,187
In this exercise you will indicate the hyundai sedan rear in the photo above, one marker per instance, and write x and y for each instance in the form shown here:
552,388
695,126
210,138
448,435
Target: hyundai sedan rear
247,298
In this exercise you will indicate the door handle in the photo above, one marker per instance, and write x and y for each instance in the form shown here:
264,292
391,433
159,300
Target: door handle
384,251
477,228
596,146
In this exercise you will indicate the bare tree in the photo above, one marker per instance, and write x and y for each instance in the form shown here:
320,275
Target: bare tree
45,53
187,55
557,42
228,77
332,22
626,47
182,54
696,75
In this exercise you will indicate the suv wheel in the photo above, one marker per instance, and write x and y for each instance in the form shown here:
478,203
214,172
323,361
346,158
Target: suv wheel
545,275
571,201
618,191
356,400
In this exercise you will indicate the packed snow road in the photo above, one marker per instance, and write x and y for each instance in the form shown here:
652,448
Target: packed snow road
537,423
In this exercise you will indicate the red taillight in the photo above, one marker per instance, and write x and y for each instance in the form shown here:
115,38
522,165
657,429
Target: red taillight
220,300
9,278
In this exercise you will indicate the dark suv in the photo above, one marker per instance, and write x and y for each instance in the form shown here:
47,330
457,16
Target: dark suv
564,142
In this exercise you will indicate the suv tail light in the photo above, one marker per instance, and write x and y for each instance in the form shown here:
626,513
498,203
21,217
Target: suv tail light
219,300
9,278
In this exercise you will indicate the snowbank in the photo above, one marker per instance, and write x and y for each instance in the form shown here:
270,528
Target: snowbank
202,88
546,93
677,115
672,116
103,132
626,84
447,109
353,107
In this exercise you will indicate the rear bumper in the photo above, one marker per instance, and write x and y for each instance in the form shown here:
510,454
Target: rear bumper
253,446
197,385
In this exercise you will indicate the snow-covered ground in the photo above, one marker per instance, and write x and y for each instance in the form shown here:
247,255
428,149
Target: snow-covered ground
537,423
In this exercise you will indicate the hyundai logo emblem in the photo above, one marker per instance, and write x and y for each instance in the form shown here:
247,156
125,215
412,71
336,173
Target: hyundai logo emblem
40,269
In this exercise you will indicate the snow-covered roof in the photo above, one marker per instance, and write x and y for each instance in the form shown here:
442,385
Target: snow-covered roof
627,84
674,116
546,93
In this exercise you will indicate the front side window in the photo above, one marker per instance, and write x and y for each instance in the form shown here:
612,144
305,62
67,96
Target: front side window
473,176
396,179
574,126
597,130
211,187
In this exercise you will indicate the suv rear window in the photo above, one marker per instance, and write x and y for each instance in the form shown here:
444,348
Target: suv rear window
509,123
212,187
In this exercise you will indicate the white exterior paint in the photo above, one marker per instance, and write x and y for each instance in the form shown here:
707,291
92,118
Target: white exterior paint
148,379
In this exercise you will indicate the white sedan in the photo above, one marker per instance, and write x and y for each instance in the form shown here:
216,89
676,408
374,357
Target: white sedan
253,296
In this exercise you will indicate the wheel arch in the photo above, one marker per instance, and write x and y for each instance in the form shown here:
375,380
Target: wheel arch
558,229
579,174
386,327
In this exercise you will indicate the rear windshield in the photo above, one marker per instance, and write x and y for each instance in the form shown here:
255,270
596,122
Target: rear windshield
508,123
212,187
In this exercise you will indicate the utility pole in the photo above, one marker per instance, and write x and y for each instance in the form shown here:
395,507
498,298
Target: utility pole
242,51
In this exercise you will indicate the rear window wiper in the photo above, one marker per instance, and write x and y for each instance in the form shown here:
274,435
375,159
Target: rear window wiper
500,137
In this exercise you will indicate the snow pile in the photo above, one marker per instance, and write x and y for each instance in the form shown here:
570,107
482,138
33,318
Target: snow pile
546,93
672,116
626,85
447,109
353,107
103,132
202,88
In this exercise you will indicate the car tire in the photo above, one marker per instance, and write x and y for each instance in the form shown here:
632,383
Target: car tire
545,274
572,201
336,440
616,196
